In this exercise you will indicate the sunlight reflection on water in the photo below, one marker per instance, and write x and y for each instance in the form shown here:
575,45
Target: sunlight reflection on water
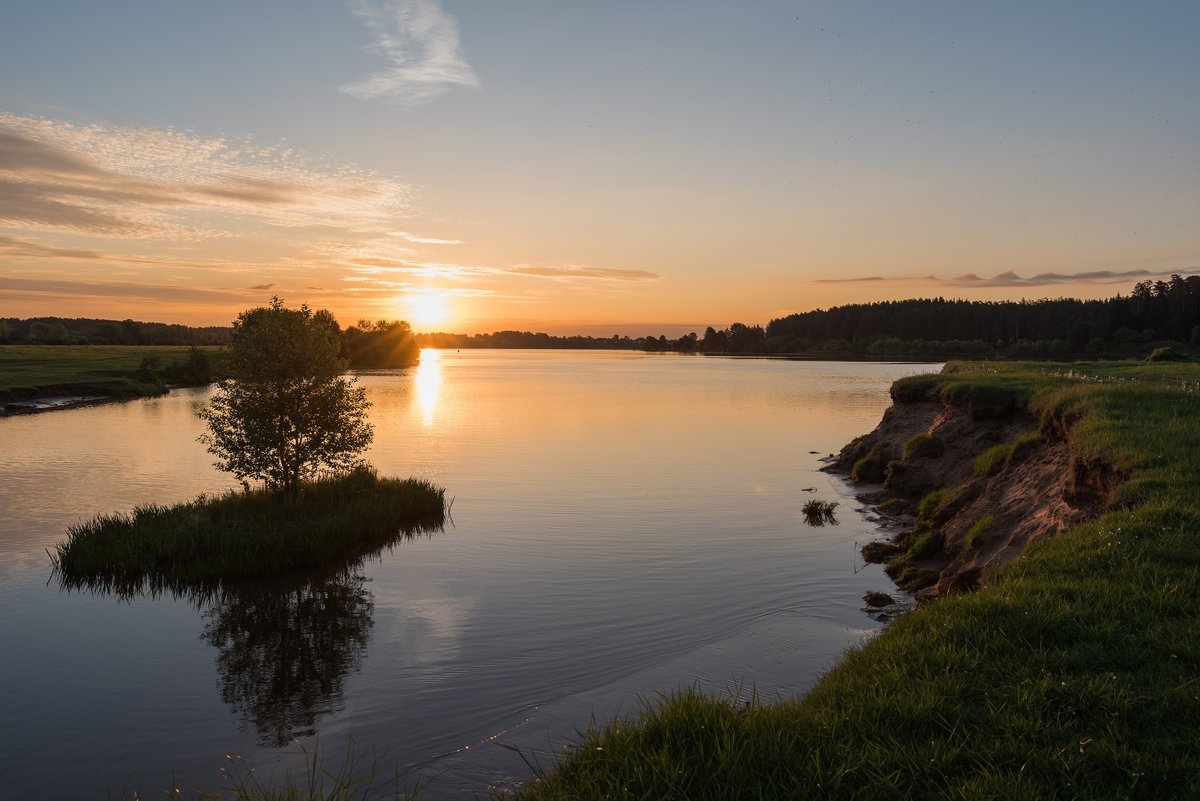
429,383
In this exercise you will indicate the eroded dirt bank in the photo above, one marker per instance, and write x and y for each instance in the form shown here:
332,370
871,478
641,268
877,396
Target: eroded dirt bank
972,486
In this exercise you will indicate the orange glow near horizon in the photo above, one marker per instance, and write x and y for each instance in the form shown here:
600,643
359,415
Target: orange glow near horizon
427,310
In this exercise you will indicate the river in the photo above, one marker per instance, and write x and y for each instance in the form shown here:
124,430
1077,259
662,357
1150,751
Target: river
623,524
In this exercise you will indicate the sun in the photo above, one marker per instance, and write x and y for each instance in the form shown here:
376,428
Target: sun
427,309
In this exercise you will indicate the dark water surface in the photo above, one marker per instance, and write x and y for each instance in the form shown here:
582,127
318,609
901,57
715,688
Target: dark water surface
623,524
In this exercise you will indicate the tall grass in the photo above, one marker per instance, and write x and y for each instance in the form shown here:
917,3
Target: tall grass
242,535
819,513
1075,674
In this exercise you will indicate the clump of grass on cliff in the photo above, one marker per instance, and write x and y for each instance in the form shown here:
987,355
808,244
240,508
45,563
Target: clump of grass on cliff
978,529
870,468
1072,675
922,446
995,459
244,535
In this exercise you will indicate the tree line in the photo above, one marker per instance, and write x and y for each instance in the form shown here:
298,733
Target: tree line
88,331
1154,313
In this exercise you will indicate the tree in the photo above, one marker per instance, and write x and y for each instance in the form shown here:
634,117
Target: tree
287,413
384,343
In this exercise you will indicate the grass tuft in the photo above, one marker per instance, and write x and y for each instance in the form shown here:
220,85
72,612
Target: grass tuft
819,513
935,501
922,446
978,529
870,468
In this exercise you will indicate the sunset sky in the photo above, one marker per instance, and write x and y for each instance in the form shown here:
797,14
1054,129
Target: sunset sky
589,167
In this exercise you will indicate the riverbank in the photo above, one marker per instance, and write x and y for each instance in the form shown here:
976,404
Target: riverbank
1069,673
970,476
38,378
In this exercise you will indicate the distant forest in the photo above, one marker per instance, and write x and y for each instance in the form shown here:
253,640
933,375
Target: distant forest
87,331
1155,313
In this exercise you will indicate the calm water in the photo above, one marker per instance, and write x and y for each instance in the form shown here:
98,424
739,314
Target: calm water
623,524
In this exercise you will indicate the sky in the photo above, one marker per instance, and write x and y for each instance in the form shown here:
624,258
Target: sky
583,167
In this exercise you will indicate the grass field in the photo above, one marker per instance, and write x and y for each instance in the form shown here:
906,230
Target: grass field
1076,674
33,371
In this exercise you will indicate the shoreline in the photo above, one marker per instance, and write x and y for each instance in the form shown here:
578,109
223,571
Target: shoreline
54,403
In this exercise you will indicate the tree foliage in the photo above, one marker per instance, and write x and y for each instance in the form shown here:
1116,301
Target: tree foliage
384,343
287,413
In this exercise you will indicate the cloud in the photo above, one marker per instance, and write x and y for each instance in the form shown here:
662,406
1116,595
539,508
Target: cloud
150,183
263,286
1010,278
583,271
22,248
369,264
421,44
423,240
128,291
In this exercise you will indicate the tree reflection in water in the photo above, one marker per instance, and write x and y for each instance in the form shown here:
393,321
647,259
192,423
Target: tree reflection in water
284,646
284,650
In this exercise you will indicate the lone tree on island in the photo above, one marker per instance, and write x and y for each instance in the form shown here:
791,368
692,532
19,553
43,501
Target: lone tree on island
287,413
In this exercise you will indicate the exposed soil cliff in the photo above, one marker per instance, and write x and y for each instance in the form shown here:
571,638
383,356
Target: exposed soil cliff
973,486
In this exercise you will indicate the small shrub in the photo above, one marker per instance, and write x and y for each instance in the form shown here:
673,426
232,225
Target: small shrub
1167,355
877,599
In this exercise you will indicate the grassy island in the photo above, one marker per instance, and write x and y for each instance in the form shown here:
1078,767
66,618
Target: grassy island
244,535
1073,672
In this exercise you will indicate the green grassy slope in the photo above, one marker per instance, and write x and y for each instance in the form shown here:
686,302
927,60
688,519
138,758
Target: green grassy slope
1075,674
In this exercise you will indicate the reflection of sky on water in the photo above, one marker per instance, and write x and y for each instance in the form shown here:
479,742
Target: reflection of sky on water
422,624
621,524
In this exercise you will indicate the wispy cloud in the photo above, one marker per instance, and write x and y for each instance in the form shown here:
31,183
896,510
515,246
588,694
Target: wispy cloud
420,43
263,286
376,264
1010,278
568,271
152,183
20,288
16,247
423,240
